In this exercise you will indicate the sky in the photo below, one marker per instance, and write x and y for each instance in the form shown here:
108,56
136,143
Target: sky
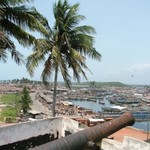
123,40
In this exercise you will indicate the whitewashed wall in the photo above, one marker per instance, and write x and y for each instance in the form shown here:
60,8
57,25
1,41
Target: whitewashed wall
22,131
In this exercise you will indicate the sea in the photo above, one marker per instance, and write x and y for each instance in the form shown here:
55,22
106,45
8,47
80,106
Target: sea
97,107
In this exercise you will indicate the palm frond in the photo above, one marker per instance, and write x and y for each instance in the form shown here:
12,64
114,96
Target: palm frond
27,19
3,55
34,60
47,71
51,64
13,2
65,72
17,56
22,36
41,49
7,45
77,62
85,29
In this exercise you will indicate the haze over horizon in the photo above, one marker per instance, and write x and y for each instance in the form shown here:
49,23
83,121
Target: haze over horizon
123,39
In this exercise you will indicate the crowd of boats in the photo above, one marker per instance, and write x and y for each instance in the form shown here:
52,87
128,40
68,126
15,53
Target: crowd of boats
101,102
113,105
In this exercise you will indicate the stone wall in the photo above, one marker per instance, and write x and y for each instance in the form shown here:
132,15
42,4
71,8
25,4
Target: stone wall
128,144
135,144
50,129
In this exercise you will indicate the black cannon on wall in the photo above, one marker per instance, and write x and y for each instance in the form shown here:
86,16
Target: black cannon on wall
79,140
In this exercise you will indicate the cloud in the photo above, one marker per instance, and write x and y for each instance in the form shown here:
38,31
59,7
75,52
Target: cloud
135,69
136,73
139,69
132,74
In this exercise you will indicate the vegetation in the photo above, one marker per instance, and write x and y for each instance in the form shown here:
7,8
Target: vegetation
14,16
94,84
9,99
11,109
67,47
25,101
8,112
14,103
116,84
20,81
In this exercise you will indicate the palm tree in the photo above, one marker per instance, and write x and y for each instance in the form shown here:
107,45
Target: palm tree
25,100
15,18
67,48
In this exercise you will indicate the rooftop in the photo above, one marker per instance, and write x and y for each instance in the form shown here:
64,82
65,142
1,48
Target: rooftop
131,132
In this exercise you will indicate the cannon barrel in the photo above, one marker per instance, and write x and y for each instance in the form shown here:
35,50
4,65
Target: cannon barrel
79,140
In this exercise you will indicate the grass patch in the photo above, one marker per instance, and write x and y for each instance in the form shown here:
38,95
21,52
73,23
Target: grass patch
12,106
9,99
8,112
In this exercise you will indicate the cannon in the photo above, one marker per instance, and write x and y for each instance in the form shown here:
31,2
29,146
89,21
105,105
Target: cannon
79,140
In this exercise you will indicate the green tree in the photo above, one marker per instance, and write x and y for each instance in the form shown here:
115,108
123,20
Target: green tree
15,20
67,48
25,100
93,84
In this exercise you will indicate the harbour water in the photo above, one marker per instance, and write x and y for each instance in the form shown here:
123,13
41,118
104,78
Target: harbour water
96,107
143,125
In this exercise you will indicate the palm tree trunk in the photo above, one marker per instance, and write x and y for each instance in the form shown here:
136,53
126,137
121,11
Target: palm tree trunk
54,92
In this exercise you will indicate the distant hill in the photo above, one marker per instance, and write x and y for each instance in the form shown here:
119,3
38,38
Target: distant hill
98,84
74,84
116,84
